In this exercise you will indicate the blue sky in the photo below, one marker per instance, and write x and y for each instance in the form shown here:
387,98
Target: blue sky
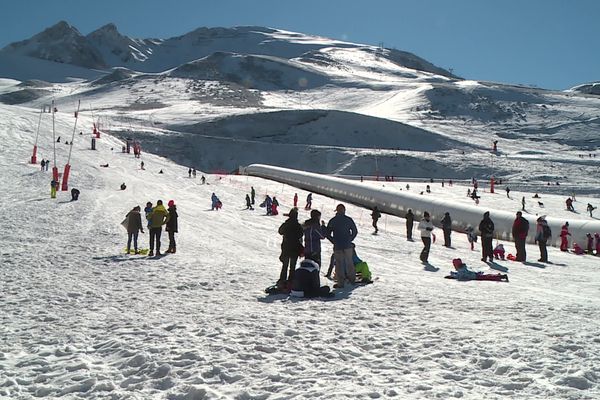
552,44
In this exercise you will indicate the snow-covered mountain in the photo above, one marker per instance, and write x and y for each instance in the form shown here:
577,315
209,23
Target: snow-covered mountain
217,98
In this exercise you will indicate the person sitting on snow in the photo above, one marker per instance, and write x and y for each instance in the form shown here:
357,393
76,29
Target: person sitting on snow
361,267
577,249
499,252
305,281
123,186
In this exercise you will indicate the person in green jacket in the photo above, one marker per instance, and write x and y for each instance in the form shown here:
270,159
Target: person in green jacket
157,218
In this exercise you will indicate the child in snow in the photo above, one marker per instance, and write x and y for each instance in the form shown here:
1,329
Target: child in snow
499,252
590,243
564,240
471,236
577,249
462,273
361,267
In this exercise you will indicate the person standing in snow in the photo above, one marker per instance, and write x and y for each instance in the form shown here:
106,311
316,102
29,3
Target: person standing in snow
410,218
471,236
308,202
147,211
520,229
295,200
486,227
171,226
291,247
375,215
157,218
53,188
194,172
564,240
341,231
248,203
252,194
523,204
447,228
202,180
42,164
189,172
214,202
508,192
314,231
426,227
542,235
134,226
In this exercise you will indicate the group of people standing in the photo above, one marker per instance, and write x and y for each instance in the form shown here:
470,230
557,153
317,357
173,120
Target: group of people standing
156,217
340,231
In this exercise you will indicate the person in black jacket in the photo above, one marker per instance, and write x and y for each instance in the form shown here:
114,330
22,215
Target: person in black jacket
306,281
171,226
486,227
447,228
291,247
134,224
375,215
410,218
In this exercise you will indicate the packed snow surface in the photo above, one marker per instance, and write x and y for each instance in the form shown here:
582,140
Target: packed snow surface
80,319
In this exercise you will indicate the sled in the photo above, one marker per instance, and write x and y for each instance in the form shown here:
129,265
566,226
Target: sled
485,277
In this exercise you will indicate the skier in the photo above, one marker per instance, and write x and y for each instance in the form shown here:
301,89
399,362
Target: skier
590,209
134,226
341,231
520,229
248,203
375,215
308,202
189,172
410,218
314,231
252,194
447,228
471,236
486,227
171,226
74,194
426,227
291,247
569,203
542,235
295,199
157,218
564,241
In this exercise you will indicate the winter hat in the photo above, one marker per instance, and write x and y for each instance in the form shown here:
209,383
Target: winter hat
457,262
171,203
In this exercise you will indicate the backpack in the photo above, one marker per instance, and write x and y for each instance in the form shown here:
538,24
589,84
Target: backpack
546,232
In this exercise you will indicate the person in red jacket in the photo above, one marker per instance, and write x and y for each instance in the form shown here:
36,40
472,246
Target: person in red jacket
520,229
564,241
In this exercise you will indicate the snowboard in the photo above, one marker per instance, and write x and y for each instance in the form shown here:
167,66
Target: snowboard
140,251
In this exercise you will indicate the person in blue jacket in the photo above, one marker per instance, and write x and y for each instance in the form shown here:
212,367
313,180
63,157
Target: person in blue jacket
341,231
215,202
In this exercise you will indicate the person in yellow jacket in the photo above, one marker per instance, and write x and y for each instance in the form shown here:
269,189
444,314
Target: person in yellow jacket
156,219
